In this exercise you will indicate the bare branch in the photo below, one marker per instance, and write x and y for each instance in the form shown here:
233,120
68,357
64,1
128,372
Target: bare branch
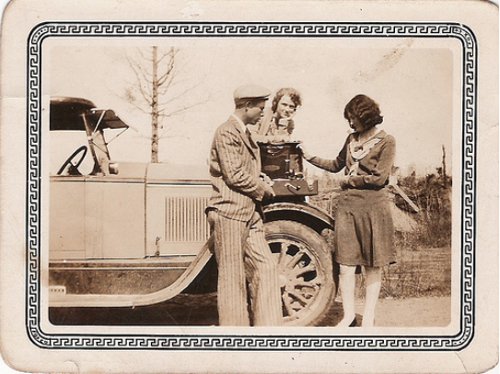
171,53
167,136
141,53
171,80
141,136
183,109
138,66
137,106
181,94
147,96
166,76
168,73
167,84
179,82
146,75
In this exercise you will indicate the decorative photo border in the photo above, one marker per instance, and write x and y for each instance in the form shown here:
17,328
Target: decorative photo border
249,342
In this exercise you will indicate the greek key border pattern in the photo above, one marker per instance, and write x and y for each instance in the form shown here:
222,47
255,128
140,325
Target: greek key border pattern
254,29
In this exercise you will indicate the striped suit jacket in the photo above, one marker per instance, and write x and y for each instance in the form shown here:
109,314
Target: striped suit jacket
235,173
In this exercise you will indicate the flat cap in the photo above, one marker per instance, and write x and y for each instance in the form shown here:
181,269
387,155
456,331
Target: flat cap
251,91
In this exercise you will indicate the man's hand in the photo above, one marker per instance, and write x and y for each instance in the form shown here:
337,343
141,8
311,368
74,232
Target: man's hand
266,179
269,192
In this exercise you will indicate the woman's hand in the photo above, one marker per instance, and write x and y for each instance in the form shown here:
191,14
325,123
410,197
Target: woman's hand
344,182
304,152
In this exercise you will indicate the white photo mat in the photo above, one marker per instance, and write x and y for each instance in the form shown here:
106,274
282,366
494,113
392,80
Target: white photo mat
474,314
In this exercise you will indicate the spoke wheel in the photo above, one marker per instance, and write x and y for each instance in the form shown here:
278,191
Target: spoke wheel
305,272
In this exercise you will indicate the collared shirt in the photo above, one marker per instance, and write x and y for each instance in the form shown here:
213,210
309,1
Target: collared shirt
282,126
240,122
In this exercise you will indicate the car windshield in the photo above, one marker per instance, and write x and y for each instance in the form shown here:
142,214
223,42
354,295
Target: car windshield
76,123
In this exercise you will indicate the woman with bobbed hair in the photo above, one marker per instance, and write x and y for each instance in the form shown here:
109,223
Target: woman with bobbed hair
363,221
277,123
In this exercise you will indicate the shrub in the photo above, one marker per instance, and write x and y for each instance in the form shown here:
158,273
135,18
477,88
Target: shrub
433,195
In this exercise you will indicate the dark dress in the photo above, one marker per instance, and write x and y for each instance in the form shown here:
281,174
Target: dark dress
363,220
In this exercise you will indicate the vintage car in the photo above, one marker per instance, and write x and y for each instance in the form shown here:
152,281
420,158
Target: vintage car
132,234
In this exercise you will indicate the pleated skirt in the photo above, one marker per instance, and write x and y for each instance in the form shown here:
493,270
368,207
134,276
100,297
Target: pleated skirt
364,228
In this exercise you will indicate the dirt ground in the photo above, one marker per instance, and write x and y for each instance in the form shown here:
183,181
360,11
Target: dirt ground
423,312
410,312
202,310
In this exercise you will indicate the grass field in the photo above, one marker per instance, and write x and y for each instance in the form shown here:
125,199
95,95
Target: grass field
420,272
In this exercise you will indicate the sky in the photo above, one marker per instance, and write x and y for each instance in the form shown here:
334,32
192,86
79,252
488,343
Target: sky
412,82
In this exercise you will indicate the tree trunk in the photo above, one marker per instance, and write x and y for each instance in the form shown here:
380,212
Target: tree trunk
444,166
154,109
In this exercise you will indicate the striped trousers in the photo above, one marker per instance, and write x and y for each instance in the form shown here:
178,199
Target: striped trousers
242,253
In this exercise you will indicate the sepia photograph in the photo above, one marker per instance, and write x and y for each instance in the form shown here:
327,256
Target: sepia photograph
355,211
191,191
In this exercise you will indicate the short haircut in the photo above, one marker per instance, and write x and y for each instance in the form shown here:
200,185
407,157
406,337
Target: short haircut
365,109
241,103
292,92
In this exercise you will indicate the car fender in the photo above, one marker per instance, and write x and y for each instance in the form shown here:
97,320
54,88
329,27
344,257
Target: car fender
302,212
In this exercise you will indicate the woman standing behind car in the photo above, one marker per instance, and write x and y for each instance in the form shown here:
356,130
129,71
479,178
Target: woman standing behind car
277,122
364,226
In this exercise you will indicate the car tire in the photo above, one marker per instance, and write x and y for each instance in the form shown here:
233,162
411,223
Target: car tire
305,270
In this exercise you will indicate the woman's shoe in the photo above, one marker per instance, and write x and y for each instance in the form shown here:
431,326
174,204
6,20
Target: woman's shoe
345,323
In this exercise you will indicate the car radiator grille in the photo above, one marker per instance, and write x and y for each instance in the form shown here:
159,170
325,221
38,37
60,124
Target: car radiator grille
185,219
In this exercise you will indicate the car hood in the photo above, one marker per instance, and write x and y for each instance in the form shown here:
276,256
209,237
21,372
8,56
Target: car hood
162,172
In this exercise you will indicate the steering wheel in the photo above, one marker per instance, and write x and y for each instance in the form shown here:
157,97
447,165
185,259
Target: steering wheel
73,169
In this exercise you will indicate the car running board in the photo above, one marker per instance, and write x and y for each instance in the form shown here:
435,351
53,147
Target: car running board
61,299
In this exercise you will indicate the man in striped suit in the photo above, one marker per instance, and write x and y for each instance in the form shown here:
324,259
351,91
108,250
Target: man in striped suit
235,218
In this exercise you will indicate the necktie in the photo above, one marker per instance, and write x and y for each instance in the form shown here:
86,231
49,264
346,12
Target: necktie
249,136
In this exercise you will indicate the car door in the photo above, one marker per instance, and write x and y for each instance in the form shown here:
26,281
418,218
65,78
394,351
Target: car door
66,216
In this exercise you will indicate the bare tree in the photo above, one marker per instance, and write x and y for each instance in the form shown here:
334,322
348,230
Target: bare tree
444,166
156,73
